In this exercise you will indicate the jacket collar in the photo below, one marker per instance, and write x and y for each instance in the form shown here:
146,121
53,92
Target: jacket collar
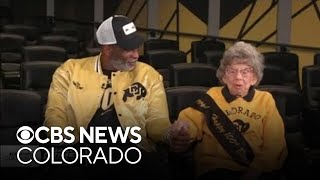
229,97
97,65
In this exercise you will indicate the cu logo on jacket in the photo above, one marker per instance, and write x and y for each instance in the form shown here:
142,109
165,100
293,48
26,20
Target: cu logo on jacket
136,89
241,126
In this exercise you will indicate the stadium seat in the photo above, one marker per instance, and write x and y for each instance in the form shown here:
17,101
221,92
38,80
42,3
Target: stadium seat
18,108
156,44
272,75
37,76
44,53
69,43
29,32
193,74
162,59
289,104
311,96
316,59
180,97
213,57
11,46
199,47
289,64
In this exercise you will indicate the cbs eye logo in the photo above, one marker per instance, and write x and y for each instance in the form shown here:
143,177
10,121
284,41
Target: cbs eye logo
25,134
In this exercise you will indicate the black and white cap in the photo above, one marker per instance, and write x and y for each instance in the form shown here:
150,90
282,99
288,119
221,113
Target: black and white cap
120,30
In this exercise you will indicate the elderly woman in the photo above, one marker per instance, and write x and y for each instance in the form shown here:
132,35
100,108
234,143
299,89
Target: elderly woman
236,129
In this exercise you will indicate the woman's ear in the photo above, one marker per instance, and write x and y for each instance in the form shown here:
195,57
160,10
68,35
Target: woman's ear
254,80
224,79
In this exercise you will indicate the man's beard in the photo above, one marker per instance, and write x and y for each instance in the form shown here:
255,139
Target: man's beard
121,65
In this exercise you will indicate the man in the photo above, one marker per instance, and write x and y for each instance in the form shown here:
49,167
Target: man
112,90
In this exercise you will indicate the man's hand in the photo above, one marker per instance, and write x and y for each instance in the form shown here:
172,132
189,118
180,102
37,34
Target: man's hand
179,136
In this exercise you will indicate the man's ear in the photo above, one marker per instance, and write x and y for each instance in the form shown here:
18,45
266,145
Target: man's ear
106,49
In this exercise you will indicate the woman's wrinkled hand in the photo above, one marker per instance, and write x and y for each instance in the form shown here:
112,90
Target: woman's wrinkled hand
179,136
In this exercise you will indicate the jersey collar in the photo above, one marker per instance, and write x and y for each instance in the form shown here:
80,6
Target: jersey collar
229,97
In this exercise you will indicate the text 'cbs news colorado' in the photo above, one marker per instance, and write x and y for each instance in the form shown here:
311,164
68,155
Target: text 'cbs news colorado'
97,145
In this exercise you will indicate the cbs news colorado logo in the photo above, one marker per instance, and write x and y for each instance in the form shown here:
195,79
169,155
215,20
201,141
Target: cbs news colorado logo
58,148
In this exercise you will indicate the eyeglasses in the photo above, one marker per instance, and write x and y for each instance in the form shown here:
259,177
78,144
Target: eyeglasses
244,72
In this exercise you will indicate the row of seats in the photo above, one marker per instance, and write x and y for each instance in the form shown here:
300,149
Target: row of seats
14,44
22,43
197,48
201,51
17,46
37,75
29,103
33,75
23,107
71,40
176,74
208,51
35,53
167,51
283,65
32,33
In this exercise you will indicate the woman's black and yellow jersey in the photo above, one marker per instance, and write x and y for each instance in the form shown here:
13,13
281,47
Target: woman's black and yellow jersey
255,116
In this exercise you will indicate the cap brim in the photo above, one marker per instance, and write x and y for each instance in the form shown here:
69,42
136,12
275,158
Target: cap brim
133,42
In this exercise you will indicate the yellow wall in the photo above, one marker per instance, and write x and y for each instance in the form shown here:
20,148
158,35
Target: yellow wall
188,24
262,29
305,27
305,31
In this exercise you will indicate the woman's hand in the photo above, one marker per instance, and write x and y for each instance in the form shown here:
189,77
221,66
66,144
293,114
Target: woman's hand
179,136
